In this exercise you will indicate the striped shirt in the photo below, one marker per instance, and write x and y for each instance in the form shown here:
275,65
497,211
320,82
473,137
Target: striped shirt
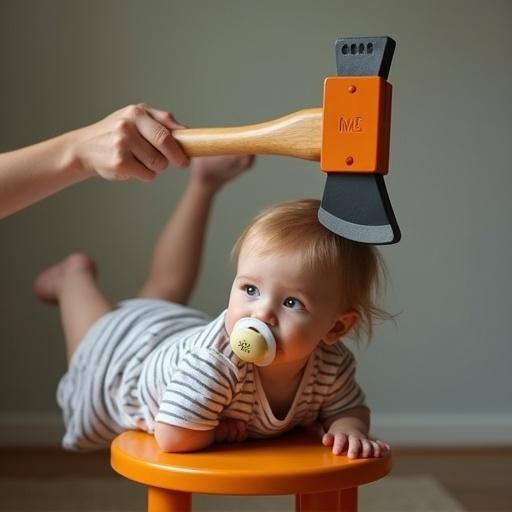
154,361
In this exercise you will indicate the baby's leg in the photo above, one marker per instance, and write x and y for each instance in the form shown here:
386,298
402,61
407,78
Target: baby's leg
176,259
71,283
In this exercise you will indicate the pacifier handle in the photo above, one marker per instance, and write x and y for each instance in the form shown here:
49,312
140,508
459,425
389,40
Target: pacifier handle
252,341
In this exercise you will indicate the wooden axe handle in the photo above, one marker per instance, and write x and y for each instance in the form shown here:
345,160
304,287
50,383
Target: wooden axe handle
298,134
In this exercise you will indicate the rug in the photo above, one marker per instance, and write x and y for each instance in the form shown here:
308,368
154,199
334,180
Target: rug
392,494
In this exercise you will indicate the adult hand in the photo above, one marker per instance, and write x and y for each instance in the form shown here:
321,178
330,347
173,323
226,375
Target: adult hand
133,142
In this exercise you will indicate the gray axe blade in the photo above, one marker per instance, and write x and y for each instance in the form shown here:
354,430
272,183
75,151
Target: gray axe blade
356,205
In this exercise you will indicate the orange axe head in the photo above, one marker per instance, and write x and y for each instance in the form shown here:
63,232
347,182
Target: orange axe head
355,142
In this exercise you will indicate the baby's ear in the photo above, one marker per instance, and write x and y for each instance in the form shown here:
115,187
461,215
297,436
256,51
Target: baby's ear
341,327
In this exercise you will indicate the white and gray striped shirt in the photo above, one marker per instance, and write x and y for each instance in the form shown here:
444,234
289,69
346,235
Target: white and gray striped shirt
152,360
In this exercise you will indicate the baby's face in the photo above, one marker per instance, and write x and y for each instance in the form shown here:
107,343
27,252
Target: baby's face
300,307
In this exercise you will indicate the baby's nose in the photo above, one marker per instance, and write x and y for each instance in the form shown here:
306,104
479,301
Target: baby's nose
267,315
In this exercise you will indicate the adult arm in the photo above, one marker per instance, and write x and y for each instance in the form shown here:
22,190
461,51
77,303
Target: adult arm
134,142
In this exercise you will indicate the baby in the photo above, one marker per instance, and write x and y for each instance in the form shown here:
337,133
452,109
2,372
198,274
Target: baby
154,364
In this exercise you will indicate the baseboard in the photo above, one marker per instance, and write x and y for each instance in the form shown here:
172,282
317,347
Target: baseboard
31,429
45,430
435,429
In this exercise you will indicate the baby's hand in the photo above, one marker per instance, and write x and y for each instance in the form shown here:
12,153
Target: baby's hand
215,171
230,431
355,444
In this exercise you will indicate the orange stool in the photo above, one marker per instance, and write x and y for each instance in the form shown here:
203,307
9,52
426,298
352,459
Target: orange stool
296,463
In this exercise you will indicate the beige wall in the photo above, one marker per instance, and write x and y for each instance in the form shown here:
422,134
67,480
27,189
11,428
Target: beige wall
65,64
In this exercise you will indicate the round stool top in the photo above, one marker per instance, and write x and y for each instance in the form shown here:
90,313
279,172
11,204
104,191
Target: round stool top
296,462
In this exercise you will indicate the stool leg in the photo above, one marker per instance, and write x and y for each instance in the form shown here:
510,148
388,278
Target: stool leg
166,500
342,500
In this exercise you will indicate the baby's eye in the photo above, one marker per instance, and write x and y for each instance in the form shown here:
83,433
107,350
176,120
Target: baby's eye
293,303
251,290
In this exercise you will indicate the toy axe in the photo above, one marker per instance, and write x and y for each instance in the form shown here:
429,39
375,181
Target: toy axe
349,135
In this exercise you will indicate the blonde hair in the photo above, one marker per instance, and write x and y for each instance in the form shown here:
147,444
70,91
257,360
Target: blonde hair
294,226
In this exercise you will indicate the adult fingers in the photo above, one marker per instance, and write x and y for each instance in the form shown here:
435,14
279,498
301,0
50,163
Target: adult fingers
145,153
135,169
158,135
166,118
170,122
124,166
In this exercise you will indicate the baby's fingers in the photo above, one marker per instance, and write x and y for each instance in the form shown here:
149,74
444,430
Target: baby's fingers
340,444
232,431
221,432
327,439
241,428
367,448
374,448
246,161
376,451
354,447
384,448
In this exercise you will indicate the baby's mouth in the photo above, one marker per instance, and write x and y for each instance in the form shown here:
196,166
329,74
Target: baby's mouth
253,341
275,337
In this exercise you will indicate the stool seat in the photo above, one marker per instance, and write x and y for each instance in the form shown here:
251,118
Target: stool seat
295,463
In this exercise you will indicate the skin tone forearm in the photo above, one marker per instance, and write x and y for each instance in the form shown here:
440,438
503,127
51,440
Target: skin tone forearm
134,142
30,174
348,432
178,439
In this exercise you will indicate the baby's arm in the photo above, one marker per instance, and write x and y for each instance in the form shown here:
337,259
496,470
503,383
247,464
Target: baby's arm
191,411
348,432
178,439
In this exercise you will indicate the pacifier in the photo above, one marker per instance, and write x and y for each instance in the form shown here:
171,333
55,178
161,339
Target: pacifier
252,341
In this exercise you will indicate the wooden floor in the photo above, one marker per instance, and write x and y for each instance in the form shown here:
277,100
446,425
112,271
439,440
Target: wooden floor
481,479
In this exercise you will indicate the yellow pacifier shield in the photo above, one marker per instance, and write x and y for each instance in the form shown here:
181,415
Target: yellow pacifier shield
248,345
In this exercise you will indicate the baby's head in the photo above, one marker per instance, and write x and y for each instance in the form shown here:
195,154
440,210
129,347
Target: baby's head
293,273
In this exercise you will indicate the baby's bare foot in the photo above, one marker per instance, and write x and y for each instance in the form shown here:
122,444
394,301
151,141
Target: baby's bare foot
47,284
